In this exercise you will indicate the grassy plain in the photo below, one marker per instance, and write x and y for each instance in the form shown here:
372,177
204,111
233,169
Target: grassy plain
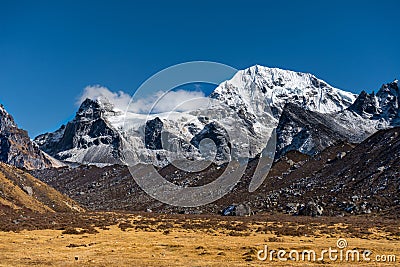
185,240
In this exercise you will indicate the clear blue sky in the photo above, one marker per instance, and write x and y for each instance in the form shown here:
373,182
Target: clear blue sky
51,50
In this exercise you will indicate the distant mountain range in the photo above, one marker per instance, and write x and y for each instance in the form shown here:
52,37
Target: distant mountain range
336,152
310,115
342,179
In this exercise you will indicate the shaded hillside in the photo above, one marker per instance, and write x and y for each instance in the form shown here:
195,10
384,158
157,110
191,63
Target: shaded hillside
367,179
342,179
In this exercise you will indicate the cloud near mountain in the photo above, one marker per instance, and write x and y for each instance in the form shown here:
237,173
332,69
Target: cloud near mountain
179,100
119,99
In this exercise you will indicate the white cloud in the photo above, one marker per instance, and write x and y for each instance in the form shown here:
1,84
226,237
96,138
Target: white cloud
180,100
119,99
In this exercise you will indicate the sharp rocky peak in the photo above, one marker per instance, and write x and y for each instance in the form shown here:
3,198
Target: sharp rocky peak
95,108
384,105
317,115
276,77
266,87
88,138
366,105
6,120
389,89
17,149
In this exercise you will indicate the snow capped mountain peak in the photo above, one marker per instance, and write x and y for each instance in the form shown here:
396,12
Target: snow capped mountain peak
275,75
383,106
90,108
88,138
276,87
101,128
97,108
317,115
392,87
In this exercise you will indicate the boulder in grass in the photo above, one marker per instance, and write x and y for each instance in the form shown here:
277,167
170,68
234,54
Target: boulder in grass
236,210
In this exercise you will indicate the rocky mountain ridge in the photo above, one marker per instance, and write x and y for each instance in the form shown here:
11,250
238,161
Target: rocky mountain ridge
90,132
99,133
17,149
342,179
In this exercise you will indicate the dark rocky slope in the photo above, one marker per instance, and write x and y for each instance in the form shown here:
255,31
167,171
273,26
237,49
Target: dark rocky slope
88,138
342,179
17,149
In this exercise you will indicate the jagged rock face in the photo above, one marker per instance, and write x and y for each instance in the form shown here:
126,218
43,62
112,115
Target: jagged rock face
306,131
250,90
343,179
389,101
365,104
383,106
88,138
317,116
153,131
366,179
311,132
17,149
219,136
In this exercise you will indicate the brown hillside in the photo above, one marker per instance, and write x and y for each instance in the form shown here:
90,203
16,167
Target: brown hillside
21,191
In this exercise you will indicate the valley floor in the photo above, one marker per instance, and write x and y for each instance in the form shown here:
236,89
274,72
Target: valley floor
114,239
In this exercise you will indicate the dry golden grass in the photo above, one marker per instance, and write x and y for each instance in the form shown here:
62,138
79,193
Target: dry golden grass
19,197
175,241
43,199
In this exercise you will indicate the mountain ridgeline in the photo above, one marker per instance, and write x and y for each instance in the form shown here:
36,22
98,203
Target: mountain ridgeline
336,152
17,149
89,131
309,115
